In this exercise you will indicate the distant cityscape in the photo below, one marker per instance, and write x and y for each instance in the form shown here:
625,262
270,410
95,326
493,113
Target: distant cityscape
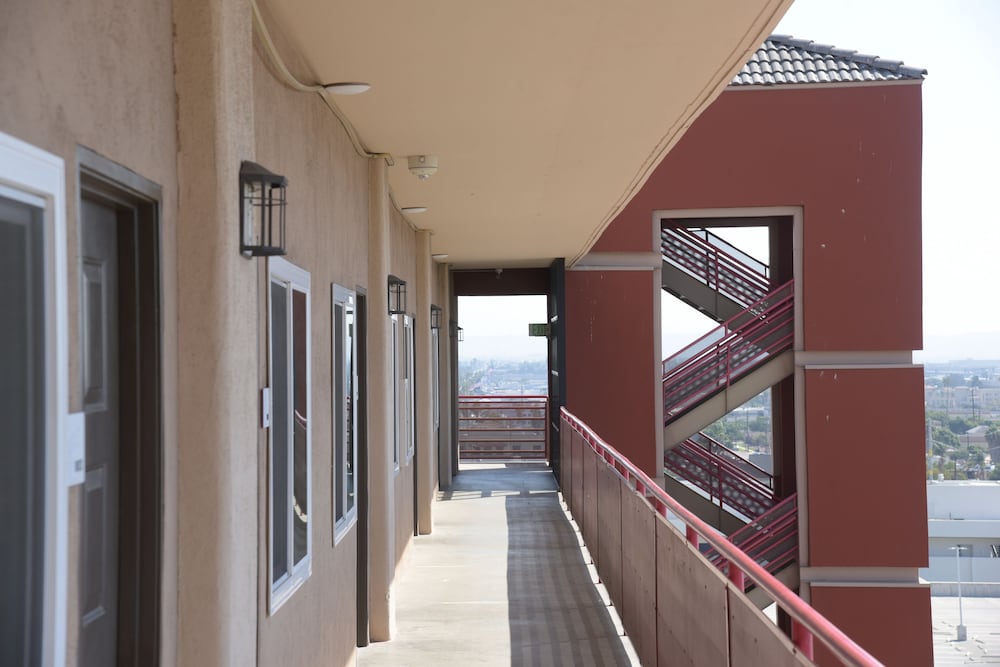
499,377
962,400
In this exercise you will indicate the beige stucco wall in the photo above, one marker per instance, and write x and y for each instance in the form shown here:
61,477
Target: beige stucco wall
327,232
108,75
402,245
217,418
100,74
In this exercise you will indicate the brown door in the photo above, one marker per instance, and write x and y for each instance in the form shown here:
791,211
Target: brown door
122,508
99,310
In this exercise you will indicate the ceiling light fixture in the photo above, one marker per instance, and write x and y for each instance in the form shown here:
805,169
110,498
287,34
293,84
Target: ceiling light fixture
439,256
414,209
347,88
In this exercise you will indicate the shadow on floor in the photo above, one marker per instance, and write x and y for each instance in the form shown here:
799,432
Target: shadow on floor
555,613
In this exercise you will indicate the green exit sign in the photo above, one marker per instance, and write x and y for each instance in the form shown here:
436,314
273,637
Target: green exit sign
538,329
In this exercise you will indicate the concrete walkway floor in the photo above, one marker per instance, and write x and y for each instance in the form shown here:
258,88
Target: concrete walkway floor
501,581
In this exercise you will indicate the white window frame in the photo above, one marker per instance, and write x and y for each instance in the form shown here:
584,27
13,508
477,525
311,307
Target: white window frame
294,278
395,394
346,298
436,378
39,176
409,370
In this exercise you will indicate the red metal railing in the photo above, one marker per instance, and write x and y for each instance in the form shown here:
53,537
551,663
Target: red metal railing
724,475
736,347
771,540
503,427
588,470
712,260
715,447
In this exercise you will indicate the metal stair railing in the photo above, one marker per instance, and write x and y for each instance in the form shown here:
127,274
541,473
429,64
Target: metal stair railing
715,447
771,540
715,262
712,467
738,346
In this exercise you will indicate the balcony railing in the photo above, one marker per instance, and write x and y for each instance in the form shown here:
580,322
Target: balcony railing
673,600
503,427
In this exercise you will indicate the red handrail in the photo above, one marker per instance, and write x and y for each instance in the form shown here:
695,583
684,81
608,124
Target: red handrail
775,529
724,481
713,265
723,355
807,623
721,450
775,301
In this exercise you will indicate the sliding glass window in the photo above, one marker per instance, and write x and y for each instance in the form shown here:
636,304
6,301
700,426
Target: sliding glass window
289,456
345,401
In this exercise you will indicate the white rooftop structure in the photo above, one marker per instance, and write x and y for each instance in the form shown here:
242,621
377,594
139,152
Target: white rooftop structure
966,514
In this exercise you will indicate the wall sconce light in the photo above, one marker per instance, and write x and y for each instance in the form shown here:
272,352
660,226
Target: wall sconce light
397,296
262,211
461,335
435,317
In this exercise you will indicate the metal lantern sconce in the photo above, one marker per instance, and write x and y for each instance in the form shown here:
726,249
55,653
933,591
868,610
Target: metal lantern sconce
435,318
397,296
262,211
461,335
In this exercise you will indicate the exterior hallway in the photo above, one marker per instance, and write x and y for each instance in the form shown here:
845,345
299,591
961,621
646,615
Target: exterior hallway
501,581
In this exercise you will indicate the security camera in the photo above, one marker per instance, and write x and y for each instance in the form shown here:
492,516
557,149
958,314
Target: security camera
422,166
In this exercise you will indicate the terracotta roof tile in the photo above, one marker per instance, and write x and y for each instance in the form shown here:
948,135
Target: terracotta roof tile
783,60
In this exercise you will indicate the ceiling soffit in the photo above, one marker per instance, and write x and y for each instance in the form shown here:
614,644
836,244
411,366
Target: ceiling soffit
546,117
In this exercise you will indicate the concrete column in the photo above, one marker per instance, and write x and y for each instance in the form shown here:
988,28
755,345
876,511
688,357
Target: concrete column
444,374
426,445
217,313
381,500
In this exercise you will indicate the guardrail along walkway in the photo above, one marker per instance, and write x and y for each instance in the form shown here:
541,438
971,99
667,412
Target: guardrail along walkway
500,581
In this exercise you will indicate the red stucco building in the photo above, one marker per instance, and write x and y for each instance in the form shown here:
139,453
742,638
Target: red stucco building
823,147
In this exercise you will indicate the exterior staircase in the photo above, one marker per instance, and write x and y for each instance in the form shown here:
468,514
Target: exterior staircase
737,498
709,273
724,489
728,366
772,539
750,351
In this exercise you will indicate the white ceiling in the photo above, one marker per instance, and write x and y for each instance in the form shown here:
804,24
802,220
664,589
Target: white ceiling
546,115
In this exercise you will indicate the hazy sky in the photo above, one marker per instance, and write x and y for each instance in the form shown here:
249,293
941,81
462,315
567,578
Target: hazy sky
956,41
